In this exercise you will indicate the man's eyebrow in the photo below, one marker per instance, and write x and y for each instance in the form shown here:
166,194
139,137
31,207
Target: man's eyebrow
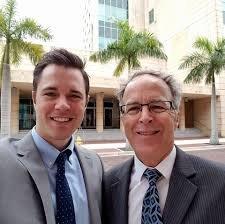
75,91
49,88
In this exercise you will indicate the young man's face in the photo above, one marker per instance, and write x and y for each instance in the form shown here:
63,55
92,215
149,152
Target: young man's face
59,103
150,134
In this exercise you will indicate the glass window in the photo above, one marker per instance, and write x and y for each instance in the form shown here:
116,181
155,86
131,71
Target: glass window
151,16
101,31
223,17
114,33
101,42
108,104
107,2
113,3
101,23
107,32
108,24
125,4
101,1
114,25
119,3
223,5
26,114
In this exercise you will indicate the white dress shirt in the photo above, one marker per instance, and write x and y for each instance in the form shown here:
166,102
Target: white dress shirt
139,186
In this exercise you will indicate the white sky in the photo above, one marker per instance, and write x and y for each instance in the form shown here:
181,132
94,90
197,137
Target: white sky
62,17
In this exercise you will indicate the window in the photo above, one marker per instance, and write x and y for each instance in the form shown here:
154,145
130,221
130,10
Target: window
113,3
223,12
26,114
223,17
151,16
101,31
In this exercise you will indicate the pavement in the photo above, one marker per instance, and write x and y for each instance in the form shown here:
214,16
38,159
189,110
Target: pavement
115,152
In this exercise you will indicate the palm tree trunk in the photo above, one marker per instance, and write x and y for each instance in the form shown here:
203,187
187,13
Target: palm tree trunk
214,140
6,101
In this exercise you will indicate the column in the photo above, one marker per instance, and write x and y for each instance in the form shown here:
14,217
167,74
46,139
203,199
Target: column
99,111
5,101
182,115
15,111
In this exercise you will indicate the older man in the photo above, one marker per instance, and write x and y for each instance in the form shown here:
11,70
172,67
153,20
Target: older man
161,184
44,177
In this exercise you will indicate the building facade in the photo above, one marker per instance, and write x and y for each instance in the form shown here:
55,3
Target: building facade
175,23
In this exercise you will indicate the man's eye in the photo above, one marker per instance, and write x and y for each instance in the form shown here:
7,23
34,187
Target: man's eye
133,108
75,96
50,94
158,108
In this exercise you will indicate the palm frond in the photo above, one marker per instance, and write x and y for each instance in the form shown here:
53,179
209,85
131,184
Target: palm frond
192,60
120,67
28,28
134,62
203,44
196,74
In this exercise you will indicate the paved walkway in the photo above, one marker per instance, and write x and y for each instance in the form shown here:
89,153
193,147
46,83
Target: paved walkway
115,153
186,144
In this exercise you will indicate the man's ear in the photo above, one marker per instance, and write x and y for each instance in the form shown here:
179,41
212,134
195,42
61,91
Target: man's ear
34,97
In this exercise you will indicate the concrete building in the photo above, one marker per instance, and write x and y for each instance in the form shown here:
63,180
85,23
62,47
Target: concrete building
175,23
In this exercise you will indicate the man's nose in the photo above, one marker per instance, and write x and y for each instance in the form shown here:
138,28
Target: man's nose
62,103
145,115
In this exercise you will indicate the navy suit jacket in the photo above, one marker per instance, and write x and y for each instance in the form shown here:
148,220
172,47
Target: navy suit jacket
196,192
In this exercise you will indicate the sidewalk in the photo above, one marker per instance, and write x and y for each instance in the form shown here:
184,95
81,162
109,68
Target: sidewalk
118,149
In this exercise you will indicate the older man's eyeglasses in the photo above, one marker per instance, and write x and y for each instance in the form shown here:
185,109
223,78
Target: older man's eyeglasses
153,106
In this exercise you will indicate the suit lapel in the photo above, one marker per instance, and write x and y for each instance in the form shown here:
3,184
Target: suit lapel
87,167
29,156
119,193
181,189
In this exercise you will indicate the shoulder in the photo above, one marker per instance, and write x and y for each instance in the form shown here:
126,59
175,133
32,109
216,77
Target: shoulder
207,166
7,145
122,170
87,153
90,155
204,169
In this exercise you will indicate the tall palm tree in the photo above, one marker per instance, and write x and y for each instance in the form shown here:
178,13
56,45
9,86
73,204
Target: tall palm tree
207,61
129,48
14,36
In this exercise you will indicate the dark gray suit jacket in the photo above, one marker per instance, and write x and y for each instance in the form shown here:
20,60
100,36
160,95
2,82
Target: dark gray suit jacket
25,196
196,192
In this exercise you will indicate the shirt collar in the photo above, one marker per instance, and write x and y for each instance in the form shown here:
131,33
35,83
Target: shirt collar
164,167
48,152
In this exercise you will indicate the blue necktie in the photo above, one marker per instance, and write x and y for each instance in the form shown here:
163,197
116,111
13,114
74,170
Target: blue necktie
151,213
64,202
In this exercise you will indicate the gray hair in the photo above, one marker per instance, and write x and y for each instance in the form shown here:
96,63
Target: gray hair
170,81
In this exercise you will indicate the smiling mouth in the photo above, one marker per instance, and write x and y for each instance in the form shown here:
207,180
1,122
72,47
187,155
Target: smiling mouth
61,119
147,133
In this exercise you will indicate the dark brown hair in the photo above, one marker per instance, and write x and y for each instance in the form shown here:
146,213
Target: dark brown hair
64,58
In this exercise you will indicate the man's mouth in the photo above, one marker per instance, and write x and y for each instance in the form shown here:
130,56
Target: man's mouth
147,133
61,119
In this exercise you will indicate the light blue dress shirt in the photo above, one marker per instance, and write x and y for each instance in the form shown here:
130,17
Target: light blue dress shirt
73,174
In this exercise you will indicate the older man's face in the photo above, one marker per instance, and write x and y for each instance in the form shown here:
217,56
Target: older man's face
150,134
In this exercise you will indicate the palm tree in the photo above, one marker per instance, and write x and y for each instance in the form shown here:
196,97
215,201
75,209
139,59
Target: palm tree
14,35
129,47
207,61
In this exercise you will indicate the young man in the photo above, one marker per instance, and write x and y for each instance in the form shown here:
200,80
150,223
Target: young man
161,184
45,178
